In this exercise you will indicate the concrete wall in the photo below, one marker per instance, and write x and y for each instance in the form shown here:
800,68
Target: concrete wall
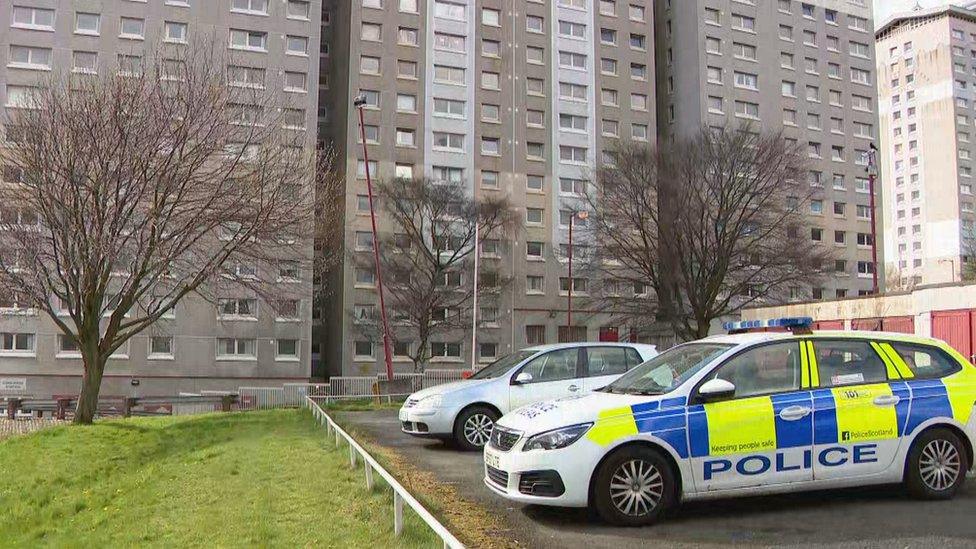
918,304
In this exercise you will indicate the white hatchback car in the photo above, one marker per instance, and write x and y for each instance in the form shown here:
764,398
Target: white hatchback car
466,411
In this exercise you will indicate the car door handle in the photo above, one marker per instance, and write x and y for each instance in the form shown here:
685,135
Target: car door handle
793,413
574,388
886,400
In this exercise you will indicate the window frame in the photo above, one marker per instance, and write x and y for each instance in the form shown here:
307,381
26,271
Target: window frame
581,367
695,396
935,350
867,342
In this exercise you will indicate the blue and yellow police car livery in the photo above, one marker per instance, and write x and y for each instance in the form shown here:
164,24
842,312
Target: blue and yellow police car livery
747,413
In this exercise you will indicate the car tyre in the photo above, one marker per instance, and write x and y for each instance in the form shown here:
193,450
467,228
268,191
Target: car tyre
936,466
634,487
473,426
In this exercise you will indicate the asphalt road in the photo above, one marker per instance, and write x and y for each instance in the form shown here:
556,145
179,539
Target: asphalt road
866,517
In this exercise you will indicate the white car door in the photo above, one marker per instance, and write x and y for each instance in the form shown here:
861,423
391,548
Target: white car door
554,374
605,364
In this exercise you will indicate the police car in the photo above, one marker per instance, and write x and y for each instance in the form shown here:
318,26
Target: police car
747,414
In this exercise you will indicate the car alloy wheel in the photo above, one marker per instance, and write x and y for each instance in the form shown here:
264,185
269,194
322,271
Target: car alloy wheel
939,465
477,429
636,488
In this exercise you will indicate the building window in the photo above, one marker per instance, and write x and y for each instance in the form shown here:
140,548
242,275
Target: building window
133,28
298,9
160,347
487,351
449,350
26,57
364,349
286,349
237,307
87,23
174,32
16,343
250,6
296,45
535,335
67,347
33,18
236,348
254,41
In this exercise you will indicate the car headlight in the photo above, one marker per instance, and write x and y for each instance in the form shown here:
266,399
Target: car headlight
433,401
557,438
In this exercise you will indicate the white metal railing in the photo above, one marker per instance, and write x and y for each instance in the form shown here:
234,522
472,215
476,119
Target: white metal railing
259,398
340,388
371,466
432,377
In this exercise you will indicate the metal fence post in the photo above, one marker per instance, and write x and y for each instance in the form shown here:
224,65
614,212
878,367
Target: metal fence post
127,405
352,456
369,476
397,514
337,438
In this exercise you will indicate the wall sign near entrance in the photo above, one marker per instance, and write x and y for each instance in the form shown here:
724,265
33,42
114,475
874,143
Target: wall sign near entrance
13,384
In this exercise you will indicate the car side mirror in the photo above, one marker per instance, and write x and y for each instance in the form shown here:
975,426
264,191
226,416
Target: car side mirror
521,378
716,389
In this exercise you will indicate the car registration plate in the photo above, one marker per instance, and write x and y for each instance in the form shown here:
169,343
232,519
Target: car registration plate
492,460
403,416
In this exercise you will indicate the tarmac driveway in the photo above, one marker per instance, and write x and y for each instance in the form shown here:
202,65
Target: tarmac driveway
867,517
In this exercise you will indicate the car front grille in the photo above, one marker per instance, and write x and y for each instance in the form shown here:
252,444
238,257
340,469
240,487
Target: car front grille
547,484
504,439
497,476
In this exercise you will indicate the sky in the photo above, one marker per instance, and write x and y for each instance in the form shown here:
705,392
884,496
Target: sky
885,8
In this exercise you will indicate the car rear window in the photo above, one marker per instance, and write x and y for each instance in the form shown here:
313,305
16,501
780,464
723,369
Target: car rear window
605,361
925,361
848,362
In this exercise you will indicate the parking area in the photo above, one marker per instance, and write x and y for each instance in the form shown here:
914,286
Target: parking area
865,517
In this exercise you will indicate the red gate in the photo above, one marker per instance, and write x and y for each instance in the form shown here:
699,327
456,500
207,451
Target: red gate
956,329
828,325
899,324
866,324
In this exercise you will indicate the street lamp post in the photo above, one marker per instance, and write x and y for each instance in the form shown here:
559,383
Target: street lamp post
872,175
582,215
359,102
474,305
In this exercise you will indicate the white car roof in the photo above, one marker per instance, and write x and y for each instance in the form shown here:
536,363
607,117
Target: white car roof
557,346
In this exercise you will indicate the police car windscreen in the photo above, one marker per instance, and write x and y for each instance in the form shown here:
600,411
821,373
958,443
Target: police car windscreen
668,370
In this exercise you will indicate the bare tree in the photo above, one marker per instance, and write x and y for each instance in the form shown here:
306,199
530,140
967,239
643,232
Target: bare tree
135,189
625,222
427,260
735,230
900,281
967,266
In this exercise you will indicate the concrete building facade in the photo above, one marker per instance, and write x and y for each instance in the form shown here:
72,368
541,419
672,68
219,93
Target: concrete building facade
536,93
805,68
926,83
514,99
277,41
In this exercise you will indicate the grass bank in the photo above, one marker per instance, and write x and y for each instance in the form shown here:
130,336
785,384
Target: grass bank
255,479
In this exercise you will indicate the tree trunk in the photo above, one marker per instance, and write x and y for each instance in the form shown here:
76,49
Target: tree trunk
91,384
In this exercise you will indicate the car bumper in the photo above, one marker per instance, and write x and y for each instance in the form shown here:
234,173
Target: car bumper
429,422
515,466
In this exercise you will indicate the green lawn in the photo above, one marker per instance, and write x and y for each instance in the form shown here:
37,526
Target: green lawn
252,479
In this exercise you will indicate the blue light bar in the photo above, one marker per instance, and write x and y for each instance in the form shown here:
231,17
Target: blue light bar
791,323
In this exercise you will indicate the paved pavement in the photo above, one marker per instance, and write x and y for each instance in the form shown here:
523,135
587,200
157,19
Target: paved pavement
867,517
